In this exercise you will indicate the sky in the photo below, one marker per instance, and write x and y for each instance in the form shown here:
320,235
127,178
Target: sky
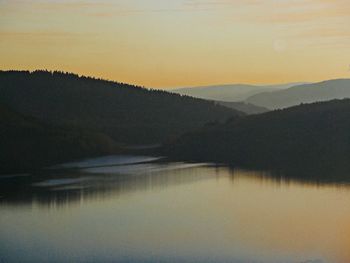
177,43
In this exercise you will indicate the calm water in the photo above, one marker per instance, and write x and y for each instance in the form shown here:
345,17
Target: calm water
174,212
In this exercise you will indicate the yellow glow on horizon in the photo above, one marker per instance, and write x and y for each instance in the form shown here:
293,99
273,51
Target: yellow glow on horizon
167,43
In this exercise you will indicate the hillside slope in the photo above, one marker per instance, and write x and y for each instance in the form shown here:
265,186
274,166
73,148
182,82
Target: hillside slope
323,91
128,114
309,135
28,144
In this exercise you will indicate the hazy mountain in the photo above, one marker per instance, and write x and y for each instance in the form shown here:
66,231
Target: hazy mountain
126,113
308,93
300,137
245,107
27,143
234,92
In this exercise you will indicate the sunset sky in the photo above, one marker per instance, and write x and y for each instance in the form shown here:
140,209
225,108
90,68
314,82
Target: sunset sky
172,43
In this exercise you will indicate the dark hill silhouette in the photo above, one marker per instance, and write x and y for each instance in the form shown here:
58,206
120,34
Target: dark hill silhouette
323,91
310,135
128,114
27,143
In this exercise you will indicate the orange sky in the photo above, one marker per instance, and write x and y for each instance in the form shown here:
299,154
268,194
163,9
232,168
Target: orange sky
169,43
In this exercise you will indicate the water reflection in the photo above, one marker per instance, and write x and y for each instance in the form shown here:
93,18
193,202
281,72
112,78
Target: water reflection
291,177
53,188
101,179
172,212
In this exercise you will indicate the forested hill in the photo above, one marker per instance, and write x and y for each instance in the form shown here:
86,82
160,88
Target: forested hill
28,144
128,114
308,135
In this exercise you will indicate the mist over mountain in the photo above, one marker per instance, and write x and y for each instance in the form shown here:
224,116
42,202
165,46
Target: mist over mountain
126,113
307,93
230,93
245,107
309,135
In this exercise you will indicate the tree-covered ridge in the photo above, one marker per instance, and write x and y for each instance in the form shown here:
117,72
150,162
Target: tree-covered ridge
126,113
303,136
27,143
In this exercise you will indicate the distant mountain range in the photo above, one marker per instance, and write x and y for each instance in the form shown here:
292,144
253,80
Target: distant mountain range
230,93
127,114
271,97
308,93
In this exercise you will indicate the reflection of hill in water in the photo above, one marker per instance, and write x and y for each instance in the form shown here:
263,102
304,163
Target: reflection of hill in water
332,173
73,187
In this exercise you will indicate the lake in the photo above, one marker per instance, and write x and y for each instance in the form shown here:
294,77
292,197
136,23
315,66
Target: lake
135,209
